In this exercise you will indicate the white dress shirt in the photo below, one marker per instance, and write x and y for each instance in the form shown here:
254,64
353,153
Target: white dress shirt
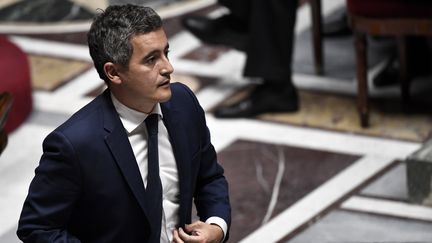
133,122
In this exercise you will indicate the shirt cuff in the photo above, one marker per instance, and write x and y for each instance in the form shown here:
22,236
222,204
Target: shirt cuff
219,222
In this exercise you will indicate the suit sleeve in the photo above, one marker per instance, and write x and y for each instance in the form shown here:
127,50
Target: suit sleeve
52,194
211,191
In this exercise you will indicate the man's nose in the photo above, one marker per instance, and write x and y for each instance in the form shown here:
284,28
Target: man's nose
167,68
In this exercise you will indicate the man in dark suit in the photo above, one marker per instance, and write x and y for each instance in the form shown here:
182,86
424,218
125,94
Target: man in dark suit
264,29
96,180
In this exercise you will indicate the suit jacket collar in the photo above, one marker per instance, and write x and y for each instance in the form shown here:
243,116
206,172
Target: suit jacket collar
132,119
177,137
118,143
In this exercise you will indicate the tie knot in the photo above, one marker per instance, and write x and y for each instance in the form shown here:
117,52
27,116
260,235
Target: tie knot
152,124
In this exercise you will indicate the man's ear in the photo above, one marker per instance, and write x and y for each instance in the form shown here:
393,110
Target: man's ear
111,71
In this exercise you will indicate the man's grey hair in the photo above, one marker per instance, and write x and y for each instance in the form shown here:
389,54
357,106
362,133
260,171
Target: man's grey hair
111,31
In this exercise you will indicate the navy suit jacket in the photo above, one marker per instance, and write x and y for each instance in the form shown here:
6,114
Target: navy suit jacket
87,187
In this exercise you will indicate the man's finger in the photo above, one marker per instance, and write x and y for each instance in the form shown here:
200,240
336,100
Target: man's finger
190,228
176,237
183,235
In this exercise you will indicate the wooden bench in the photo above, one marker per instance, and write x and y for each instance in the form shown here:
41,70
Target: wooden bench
5,106
399,19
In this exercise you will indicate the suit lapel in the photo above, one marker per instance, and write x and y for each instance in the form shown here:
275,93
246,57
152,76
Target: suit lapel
118,143
177,134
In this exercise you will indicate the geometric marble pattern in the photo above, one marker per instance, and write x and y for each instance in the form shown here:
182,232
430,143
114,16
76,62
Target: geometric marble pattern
267,178
348,226
206,53
339,112
49,73
388,118
348,223
391,185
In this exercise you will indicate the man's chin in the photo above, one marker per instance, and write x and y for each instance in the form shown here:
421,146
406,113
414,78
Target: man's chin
166,96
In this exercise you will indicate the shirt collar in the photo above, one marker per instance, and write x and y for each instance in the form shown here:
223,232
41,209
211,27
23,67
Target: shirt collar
130,118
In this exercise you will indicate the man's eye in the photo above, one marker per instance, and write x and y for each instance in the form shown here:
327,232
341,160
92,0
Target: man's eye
150,60
167,52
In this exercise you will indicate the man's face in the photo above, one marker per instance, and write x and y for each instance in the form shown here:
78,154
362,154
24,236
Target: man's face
147,80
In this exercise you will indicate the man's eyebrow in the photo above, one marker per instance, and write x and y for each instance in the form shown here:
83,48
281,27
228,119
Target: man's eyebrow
151,54
155,52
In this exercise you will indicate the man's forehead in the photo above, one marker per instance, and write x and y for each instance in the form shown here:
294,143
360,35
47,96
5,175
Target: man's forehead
154,38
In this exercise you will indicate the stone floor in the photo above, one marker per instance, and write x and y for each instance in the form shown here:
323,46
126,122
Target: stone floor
288,183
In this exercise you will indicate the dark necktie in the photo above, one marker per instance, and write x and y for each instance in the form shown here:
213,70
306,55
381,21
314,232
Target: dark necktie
154,185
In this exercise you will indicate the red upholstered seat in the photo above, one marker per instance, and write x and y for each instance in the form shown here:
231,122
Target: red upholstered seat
391,8
15,79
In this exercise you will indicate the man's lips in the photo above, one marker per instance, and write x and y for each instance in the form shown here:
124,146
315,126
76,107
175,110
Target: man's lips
164,83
